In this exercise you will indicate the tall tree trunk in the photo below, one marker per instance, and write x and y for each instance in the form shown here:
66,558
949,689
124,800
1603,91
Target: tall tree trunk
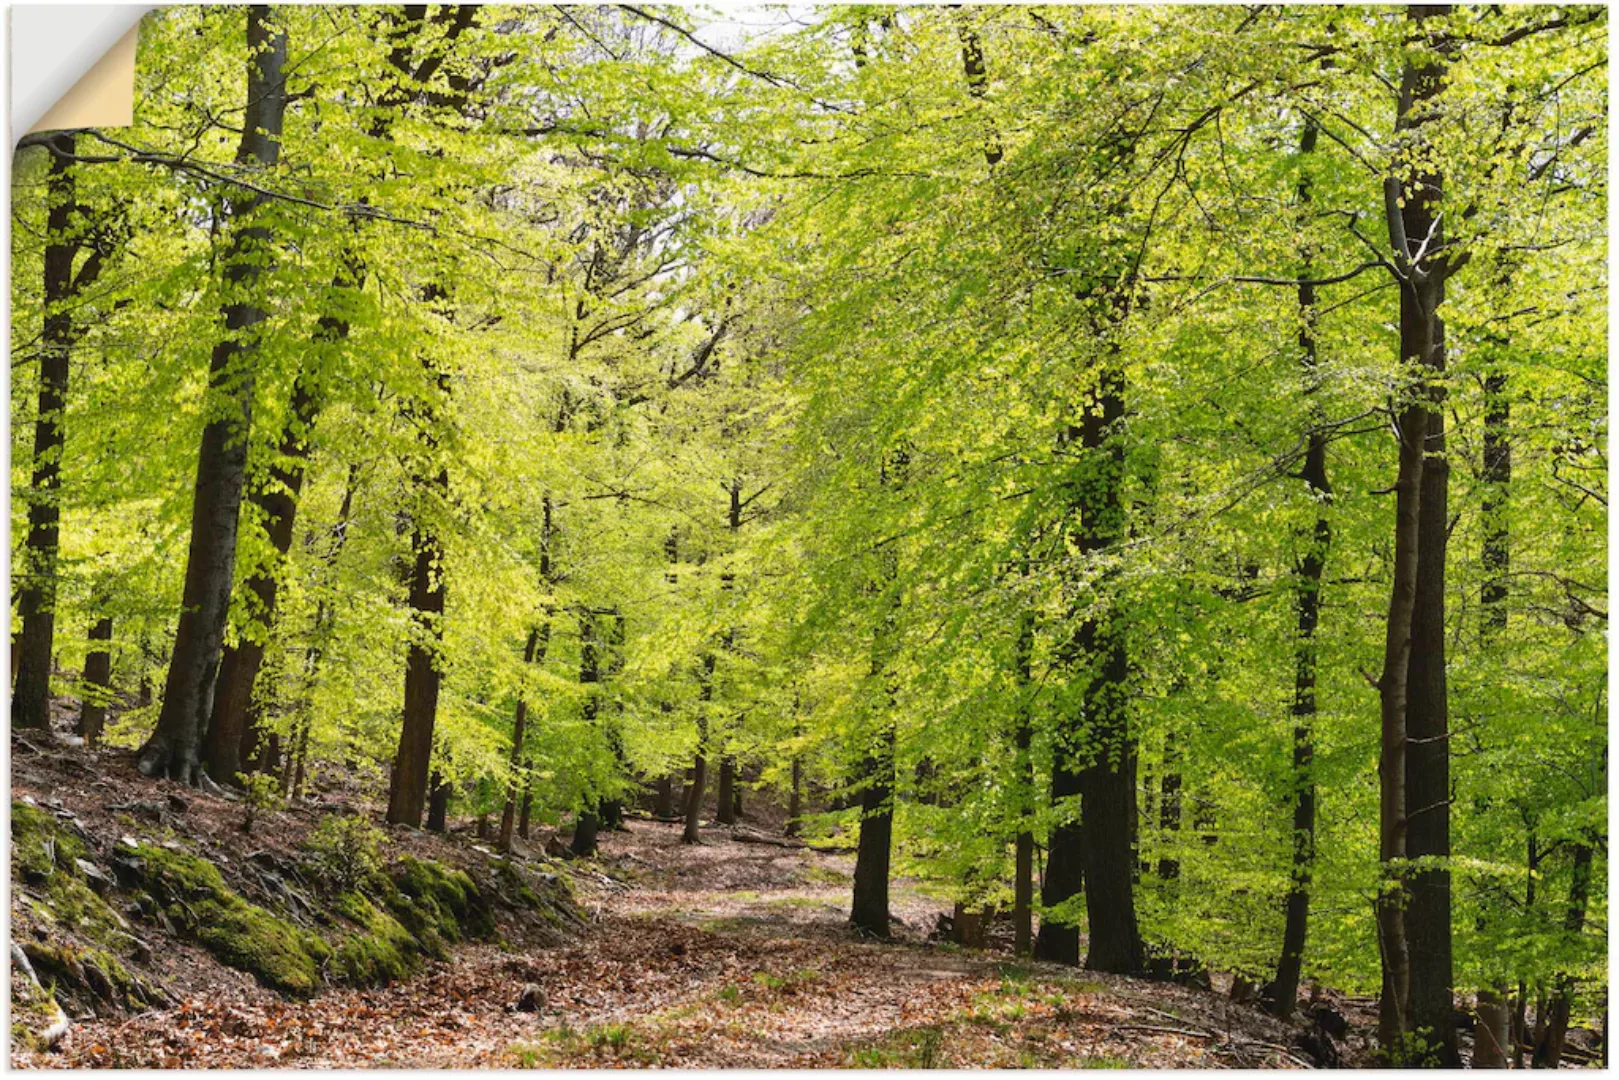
1023,780
1491,1035
533,652
868,912
97,682
1107,783
232,725
175,747
1411,208
1307,575
239,665
408,786
663,806
36,599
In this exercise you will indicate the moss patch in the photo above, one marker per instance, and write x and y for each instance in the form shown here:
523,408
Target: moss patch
438,904
39,846
239,934
384,952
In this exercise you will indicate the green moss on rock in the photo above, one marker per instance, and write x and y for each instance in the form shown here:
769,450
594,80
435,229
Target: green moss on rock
385,952
239,934
39,845
433,900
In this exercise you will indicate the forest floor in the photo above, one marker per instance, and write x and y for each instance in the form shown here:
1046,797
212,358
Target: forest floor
729,954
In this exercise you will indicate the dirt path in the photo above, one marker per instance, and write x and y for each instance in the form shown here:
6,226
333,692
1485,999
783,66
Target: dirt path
728,955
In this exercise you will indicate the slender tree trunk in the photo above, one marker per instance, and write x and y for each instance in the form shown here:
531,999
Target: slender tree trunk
692,834
32,651
97,682
795,799
438,803
175,747
1023,844
1058,940
408,787
533,651
725,808
1307,575
528,799
587,824
1491,1035
1549,1043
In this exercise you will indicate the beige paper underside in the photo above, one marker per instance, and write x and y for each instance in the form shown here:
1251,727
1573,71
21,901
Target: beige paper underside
104,96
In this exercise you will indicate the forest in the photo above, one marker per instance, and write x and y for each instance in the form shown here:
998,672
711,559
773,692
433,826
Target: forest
1132,478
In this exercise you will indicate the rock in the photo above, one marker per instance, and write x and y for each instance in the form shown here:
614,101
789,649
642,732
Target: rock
531,1000
93,876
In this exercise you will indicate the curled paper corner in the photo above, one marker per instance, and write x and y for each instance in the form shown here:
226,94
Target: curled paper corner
73,66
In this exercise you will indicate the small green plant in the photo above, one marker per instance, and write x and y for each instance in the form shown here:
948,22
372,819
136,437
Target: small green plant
260,792
730,993
346,851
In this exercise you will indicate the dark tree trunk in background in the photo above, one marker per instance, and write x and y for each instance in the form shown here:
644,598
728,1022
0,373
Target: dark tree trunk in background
36,598
528,799
438,804
1023,843
1308,568
587,824
1491,1035
97,682
1550,1039
175,747
663,807
533,652
725,808
692,834
869,913
795,800
408,784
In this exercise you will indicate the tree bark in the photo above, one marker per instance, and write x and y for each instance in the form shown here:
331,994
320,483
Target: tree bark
175,747
1549,1042
408,787
533,652
725,797
438,803
32,651
528,799
239,666
97,682
587,824
1308,568
1411,209
692,833
869,912
1023,843
1107,783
